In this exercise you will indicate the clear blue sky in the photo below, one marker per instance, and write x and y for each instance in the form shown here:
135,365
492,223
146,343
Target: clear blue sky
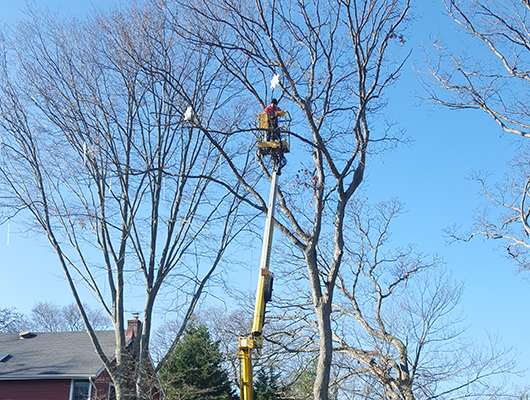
428,176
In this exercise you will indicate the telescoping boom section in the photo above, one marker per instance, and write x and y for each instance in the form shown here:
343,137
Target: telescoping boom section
269,143
263,295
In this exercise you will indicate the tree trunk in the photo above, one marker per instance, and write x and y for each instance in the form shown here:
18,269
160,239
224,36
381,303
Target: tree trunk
325,353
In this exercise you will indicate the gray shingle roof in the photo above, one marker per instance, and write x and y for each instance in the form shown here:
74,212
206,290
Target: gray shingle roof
53,355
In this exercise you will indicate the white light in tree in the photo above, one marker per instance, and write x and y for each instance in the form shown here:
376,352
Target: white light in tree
187,114
275,81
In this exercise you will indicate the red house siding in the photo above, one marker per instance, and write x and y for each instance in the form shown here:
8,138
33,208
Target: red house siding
102,383
51,389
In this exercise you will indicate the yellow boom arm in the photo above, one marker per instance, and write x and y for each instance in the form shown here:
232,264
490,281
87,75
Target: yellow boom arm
263,295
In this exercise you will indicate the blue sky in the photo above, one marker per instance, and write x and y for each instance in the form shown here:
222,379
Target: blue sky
429,176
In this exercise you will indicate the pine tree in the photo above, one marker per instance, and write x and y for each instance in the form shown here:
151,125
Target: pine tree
268,386
194,369
302,388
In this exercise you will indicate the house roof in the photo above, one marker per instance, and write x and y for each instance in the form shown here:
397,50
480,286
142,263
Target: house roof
50,355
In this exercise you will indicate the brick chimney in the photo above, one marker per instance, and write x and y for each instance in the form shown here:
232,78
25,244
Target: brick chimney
133,327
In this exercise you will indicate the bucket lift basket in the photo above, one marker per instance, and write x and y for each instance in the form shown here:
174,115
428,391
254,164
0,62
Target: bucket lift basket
266,143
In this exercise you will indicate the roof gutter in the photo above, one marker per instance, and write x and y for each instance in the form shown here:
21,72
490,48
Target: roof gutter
45,376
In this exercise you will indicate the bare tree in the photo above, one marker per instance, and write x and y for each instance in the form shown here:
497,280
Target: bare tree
47,317
50,317
99,156
12,321
495,80
332,66
398,319
504,214
397,330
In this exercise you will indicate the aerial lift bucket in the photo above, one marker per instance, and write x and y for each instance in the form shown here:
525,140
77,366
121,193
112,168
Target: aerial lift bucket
266,144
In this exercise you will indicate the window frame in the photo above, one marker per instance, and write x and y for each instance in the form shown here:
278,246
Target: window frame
111,393
72,388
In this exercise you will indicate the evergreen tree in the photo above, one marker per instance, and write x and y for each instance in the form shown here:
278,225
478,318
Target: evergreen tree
267,386
302,388
193,371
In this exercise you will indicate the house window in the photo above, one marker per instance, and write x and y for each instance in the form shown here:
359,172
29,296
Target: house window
112,392
81,390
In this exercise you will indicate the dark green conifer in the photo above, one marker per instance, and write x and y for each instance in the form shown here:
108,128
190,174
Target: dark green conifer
268,386
194,369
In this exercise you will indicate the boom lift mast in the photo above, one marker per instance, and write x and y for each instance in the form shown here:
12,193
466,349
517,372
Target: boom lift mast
275,148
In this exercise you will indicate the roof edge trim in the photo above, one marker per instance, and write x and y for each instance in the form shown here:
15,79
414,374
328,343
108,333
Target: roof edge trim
43,376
